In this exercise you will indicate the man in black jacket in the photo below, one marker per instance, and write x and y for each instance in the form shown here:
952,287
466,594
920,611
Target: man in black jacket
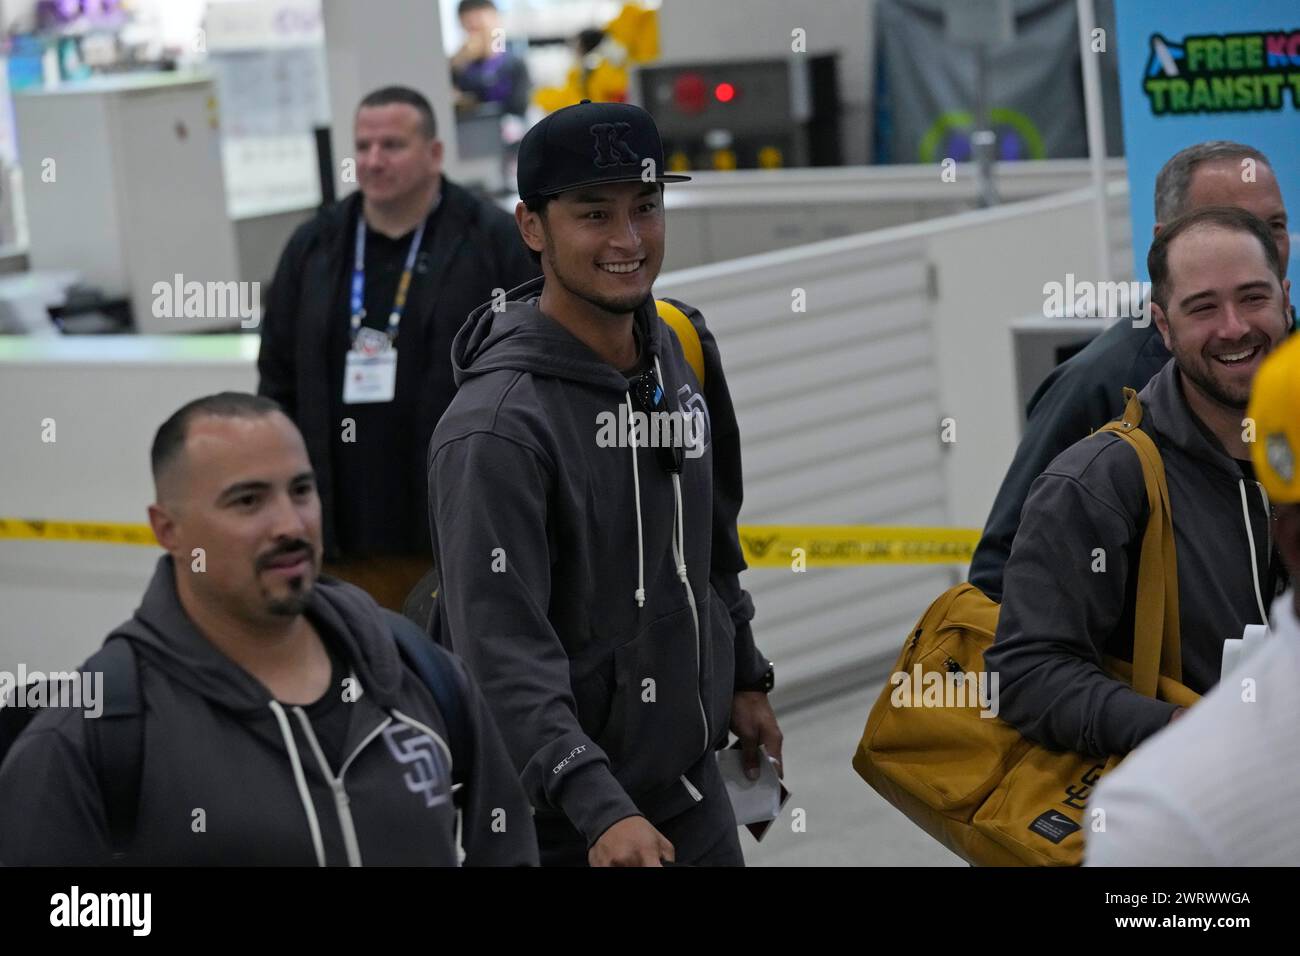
280,725
376,287
1086,392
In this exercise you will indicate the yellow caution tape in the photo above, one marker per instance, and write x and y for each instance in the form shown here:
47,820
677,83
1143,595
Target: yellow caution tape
794,546
96,532
765,546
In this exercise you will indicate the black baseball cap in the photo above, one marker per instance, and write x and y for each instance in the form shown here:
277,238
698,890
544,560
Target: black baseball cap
590,143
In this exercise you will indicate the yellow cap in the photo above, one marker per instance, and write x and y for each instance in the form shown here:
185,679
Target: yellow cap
1275,410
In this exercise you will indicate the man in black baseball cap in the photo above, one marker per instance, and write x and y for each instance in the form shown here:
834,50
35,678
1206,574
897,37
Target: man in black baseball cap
590,571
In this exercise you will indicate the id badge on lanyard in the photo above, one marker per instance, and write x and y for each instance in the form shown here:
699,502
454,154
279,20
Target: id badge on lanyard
370,370
370,367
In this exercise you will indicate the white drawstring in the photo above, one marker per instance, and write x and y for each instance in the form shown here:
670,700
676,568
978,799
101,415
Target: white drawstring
679,555
679,526
313,824
679,559
679,523
636,486
350,843
679,552
1250,537
679,531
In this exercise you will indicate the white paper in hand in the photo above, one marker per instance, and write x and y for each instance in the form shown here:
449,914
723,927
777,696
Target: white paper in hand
756,803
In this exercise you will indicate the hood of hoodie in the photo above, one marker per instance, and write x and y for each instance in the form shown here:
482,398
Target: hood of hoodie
1165,412
521,338
163,633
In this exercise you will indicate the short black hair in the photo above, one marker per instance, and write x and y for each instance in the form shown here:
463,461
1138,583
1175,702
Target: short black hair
388,95
1233,218
468,6
169,440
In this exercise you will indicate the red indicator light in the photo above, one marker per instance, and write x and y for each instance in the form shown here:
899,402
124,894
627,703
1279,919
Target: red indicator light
724,92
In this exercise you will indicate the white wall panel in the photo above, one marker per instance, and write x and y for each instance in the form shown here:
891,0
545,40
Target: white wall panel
840,407
838,412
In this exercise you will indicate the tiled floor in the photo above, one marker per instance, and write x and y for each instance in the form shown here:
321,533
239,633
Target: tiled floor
847,823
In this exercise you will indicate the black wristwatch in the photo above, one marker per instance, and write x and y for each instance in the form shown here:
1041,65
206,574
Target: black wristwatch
764,683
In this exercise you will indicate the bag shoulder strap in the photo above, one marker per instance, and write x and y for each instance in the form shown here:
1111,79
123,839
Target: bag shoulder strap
1156,637
686,335
119,738
438,671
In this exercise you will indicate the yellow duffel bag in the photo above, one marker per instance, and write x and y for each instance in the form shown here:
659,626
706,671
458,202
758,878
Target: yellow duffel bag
973,782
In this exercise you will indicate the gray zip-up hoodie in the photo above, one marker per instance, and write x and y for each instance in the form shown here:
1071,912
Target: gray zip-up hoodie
1066,603
216,741
595,598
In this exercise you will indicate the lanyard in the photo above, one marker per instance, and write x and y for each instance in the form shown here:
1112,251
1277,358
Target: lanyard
359,280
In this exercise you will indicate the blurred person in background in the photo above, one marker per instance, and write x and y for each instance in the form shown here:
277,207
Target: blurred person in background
483,70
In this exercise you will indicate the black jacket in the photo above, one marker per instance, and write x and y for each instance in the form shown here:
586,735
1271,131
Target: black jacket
544,539
476,249
1078,397
215,740
1062,609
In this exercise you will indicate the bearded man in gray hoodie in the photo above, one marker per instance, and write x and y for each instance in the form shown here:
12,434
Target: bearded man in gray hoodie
1221,304
589,574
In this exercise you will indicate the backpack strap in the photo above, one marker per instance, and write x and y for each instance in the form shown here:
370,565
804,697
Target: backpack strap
118,739
438,671
686,334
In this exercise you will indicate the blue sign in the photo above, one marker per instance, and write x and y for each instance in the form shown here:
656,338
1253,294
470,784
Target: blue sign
1213,69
